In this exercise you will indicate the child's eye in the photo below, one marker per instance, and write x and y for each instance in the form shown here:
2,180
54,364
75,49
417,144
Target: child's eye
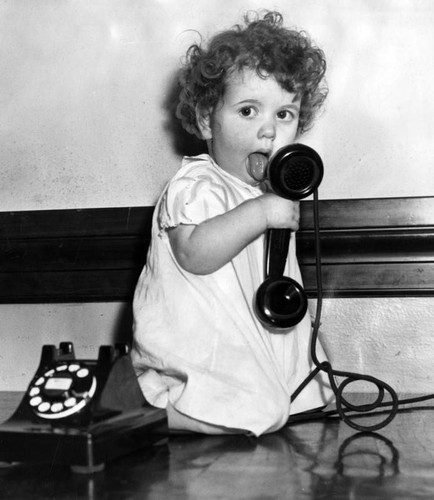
247,111
285,114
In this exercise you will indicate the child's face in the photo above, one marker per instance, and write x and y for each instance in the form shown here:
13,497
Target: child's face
255,115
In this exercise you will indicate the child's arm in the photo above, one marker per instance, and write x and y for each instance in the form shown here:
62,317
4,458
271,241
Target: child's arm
206,247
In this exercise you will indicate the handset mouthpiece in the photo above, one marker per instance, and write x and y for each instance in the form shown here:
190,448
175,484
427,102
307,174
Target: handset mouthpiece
293,172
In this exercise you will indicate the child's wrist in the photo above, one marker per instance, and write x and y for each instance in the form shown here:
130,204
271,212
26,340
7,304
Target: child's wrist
262,215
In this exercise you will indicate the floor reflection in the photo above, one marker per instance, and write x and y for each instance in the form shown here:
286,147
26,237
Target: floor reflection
315,460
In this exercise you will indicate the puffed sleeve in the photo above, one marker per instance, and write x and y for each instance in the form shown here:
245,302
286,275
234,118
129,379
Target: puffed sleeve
191,200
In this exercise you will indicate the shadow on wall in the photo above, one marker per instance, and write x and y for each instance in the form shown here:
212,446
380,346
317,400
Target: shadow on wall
184,143
123,328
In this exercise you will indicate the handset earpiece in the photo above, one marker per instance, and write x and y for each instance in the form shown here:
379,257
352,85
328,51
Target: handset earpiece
294,172
280,301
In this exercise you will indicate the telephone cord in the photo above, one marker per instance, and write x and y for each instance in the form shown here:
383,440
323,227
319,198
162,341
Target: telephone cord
343,406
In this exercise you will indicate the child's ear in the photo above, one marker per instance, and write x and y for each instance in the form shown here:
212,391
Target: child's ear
203,118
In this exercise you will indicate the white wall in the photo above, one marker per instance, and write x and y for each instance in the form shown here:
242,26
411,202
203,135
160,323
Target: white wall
27,327
83,84
83,123
388,338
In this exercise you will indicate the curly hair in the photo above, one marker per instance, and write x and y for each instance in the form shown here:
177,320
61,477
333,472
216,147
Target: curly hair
263,45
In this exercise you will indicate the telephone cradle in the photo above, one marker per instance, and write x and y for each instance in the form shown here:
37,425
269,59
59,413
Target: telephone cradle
81,413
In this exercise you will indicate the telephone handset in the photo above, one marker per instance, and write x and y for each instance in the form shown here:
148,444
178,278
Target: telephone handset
81,412
294,172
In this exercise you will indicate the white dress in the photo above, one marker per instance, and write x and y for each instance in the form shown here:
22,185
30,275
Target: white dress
198,346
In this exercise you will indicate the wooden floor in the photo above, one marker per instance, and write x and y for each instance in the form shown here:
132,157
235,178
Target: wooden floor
313,460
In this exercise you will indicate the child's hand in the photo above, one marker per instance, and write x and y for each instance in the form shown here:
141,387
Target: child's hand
280,213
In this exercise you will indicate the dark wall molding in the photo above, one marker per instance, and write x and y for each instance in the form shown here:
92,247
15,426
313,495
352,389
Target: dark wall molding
369,247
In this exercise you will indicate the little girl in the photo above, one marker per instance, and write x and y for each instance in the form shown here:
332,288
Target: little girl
199,350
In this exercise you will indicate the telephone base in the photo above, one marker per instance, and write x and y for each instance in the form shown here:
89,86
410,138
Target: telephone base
85,449
81,412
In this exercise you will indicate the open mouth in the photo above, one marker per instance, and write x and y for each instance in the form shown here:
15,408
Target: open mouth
257,165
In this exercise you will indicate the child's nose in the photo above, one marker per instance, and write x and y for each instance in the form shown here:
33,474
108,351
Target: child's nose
268,130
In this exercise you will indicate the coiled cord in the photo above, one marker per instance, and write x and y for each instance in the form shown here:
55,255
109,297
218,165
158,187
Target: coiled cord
343,406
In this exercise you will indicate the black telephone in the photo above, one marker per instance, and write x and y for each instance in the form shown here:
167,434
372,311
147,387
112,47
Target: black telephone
294,172
81,413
